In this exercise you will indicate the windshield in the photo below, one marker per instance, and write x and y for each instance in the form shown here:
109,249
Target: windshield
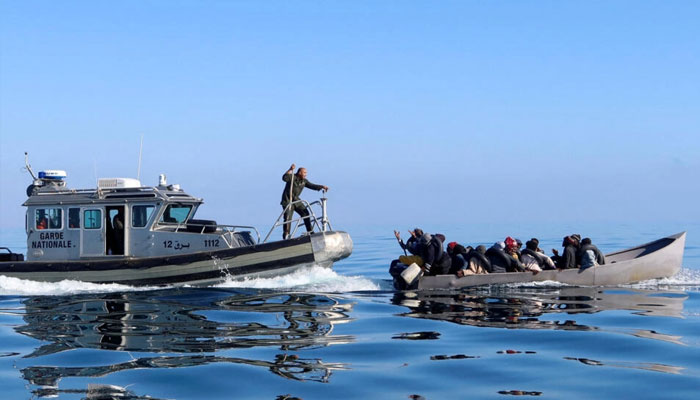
176,213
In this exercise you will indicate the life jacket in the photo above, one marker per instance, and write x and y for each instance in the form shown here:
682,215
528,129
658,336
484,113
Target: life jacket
537,256
442,261
440,251
482,258
500,261
458,262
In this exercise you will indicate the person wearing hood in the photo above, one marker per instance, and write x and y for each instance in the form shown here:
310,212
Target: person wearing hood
569,259
413,243
502,261
437,261
428,249
533,259
589,255
476,263
458,254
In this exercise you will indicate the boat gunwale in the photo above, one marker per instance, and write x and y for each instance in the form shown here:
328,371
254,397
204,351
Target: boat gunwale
674,238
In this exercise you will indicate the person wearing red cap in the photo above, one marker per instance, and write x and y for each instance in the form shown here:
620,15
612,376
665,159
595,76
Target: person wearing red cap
458,255
513,247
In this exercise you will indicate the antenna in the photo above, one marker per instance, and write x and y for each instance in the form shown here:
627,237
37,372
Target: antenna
94,168
138,171
27,166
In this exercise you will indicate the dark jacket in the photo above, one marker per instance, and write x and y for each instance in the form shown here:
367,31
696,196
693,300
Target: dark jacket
502,261
599,257
458,256
482,257
434,255
412,245
569,259
299,185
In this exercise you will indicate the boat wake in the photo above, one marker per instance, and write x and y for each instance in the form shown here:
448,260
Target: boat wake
685,278
21,287
311,279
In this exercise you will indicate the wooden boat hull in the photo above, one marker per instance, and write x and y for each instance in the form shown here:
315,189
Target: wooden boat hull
658,259
200,268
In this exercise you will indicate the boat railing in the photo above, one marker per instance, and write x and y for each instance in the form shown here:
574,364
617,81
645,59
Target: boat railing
226,231
322,223
229,230
64,191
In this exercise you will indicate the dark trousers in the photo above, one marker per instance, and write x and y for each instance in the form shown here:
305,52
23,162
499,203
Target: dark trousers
289,213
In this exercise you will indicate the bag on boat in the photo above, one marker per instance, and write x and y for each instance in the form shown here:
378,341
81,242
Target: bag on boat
411,273
408,260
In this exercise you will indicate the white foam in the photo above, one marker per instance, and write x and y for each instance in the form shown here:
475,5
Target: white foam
311,279
537,284
21,287
684,277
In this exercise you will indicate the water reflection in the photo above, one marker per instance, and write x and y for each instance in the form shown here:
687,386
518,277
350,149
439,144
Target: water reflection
539,308
669,369
188,322
95,392
284,365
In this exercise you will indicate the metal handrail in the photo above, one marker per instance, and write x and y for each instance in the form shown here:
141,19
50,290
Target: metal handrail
222,229
321,226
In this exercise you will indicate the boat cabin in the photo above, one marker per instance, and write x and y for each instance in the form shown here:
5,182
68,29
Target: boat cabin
121,218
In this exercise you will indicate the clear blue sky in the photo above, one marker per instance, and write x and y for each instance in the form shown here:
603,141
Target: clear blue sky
411,112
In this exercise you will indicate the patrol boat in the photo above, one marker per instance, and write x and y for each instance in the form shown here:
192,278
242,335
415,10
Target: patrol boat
126,233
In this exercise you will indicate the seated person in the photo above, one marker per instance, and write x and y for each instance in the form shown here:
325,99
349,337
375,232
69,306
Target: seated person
476,263
413,243
42,224
569,259
458,254
534,260
513,247
589,255
437,261
502,261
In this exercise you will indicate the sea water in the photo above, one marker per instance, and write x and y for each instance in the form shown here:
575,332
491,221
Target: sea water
345,333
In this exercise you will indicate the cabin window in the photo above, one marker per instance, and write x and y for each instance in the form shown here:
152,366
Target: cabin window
176,213
49,218
73,218
92,219
140,215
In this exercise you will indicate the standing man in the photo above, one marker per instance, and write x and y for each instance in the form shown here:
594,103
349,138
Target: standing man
299,183
118,226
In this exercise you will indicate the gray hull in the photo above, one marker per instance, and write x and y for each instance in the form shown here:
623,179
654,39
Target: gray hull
200,268
658,259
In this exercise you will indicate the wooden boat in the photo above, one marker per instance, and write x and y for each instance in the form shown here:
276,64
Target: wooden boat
661,258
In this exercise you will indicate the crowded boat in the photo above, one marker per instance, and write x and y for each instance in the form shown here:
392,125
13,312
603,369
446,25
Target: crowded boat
426,254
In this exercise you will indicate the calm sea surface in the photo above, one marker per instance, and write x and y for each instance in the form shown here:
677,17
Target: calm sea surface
345,333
